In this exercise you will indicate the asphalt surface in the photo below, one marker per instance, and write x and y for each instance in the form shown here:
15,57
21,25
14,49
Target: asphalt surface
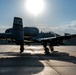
34,61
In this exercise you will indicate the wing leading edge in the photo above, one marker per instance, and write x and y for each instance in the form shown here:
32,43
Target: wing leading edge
59,38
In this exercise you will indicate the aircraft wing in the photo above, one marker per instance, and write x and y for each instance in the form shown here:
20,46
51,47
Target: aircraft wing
44,39
65,37
55,40
5,35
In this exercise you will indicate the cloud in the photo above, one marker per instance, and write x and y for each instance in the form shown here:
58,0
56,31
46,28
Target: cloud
3,28
68,28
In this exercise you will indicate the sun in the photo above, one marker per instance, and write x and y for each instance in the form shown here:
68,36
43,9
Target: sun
35,6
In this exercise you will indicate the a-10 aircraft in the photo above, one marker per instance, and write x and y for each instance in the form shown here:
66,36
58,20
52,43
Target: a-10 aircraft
22,35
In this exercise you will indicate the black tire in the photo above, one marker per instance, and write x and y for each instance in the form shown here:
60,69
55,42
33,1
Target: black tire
21,48
47,51
52,49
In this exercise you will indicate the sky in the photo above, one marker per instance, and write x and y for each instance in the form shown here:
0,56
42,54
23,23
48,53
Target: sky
58,15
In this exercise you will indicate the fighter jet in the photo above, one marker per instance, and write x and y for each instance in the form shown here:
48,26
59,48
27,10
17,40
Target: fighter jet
22,35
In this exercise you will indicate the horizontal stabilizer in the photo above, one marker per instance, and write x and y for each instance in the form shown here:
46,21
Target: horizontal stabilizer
5,35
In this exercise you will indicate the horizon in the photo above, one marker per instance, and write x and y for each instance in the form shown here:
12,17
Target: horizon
58,15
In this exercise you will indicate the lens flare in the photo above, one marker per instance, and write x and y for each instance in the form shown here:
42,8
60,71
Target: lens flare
35,6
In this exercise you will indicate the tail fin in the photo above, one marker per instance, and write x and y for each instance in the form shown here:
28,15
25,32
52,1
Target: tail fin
17,24
18,33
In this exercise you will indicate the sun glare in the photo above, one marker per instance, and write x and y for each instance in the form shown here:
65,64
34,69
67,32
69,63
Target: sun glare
35,6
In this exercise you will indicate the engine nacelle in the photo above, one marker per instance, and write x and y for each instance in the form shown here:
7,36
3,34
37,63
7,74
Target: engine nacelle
31,31
9,30
18,32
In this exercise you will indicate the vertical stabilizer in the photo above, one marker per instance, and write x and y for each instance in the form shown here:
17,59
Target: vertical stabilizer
18,33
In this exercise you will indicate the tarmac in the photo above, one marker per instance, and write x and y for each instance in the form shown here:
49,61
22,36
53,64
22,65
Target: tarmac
33,61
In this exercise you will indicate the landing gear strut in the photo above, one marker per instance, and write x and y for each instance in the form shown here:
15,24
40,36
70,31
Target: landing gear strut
45,48
21,48
51,48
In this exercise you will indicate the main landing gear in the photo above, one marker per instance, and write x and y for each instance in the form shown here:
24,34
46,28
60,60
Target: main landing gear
21,48
51,48
47,49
